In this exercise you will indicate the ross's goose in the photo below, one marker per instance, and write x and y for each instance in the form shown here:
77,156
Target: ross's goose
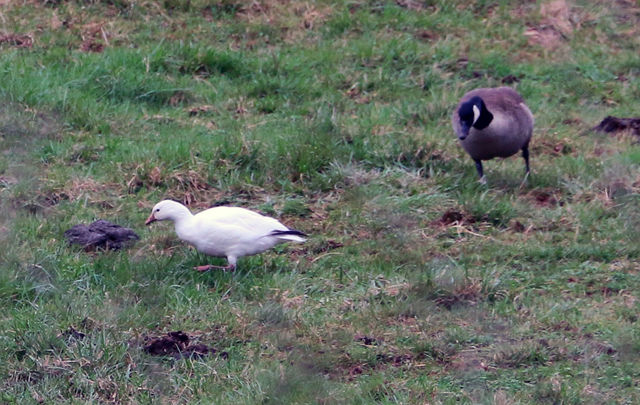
230,232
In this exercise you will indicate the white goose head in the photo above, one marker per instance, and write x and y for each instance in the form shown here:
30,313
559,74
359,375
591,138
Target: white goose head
168,209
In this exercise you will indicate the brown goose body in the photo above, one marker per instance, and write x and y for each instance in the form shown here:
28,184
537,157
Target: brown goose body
508,131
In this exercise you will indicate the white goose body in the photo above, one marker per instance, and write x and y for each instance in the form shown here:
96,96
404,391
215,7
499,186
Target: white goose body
230,232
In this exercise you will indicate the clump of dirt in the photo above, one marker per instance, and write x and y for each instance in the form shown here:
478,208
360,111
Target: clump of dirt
72,334
177,345
544,198
517,226
510,79
452,216
100,234
611,124
366,340
426,35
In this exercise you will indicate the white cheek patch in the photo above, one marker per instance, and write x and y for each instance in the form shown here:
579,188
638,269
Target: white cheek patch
476,114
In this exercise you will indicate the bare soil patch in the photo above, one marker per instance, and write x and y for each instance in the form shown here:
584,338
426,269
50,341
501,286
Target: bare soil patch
366,340
611,124
455,217
544,198
178,345
101,234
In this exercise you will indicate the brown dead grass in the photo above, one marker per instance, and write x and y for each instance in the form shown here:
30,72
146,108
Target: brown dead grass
16,40
94,37
470,360
555,22
189,186
553,147
468,292
292,17
556,14
75,189
555,25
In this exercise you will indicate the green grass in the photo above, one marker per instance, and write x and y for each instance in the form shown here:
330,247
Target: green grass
335,118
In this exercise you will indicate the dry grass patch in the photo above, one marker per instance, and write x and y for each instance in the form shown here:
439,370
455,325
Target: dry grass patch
553,147
16,40
188,186
85,188
555,25
293,18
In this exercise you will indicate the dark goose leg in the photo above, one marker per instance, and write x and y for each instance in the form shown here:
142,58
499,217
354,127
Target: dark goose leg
525,155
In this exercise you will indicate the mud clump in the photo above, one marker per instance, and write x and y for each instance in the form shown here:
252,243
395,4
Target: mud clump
72,334
517,226
612,124
177,345
100,235
454,217
366,340
544,198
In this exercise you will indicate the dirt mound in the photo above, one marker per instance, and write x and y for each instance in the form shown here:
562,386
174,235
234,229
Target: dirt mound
614,124
544,198
100,235
176,345
455,217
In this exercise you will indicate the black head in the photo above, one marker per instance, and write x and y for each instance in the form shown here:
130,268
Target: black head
473,113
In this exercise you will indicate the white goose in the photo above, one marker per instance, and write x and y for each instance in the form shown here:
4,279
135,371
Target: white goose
230,232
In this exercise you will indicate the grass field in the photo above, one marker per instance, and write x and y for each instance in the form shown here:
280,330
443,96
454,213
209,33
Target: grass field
417,285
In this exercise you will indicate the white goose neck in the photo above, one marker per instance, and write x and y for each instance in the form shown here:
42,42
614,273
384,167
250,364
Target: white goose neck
180,214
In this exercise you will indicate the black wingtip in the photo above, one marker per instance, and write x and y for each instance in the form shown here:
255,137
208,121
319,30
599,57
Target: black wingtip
289,232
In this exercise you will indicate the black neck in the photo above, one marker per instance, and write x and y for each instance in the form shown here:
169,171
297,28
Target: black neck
484,119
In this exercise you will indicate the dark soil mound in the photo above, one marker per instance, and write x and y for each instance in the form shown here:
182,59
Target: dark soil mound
615,124
100,234
176,345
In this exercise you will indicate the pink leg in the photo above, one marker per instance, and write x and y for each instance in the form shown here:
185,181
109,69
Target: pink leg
208,267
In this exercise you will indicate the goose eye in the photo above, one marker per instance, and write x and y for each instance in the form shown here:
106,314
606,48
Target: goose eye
157,209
